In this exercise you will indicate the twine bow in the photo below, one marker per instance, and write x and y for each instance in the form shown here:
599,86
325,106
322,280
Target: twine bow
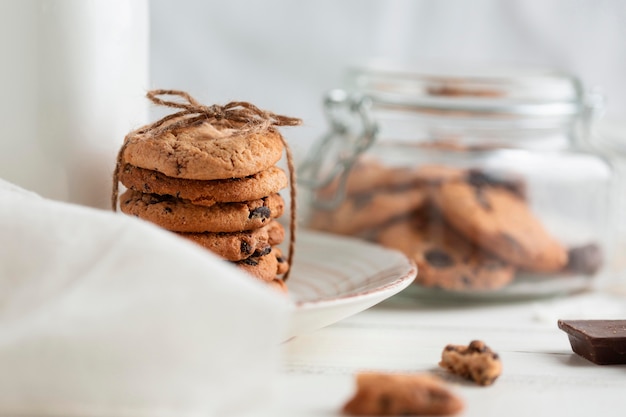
239,115
243,117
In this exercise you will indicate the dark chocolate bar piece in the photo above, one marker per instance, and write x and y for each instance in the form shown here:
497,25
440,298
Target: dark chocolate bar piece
601,341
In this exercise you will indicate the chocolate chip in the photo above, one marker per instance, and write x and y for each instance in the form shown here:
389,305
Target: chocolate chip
262,252
585,259
480,179
147,188
156,199
262,212
477,346
280,259
167,210
436,396
250,261
245,248
438,258
384,402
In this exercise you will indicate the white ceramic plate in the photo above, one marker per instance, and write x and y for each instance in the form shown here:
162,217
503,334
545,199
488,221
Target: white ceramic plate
335,277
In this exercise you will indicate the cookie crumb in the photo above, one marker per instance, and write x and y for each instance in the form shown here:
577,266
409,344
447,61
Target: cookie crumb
386,394
476,362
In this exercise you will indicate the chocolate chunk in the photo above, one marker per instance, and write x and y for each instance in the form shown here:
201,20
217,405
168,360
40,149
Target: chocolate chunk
479,179
585,259
600,341
438,258
262,212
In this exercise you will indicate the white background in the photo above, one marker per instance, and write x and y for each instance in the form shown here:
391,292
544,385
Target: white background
283,55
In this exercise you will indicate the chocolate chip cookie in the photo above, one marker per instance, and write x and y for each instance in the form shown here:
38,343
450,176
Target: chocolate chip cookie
205,193
369,174
367,211
180,215
204,151
444,258
386,394
499,221
240,245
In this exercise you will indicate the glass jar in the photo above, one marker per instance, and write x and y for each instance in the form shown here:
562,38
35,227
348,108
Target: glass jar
481,178
609,139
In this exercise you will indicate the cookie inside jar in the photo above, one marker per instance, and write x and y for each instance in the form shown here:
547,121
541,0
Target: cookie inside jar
475,230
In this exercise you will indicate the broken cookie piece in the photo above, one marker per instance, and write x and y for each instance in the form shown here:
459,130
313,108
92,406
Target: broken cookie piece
384,394
476,362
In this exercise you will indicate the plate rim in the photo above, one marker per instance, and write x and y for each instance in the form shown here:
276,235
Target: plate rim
386,290
399,284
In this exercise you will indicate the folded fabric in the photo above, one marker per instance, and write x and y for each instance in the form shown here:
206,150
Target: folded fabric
102,314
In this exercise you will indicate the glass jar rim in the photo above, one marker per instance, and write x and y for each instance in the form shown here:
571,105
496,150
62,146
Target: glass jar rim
471,92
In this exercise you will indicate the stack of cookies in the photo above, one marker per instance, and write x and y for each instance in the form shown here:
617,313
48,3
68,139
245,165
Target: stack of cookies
212,184
467,230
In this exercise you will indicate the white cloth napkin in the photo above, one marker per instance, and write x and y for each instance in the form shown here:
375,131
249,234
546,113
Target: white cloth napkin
102,314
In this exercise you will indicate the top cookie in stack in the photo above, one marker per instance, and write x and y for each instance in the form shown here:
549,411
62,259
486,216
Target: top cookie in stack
209,174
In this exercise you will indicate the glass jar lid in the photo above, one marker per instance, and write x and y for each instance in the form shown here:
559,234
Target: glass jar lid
478,93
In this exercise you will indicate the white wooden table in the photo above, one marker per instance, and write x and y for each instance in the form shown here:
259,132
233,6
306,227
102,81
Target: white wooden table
541,376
